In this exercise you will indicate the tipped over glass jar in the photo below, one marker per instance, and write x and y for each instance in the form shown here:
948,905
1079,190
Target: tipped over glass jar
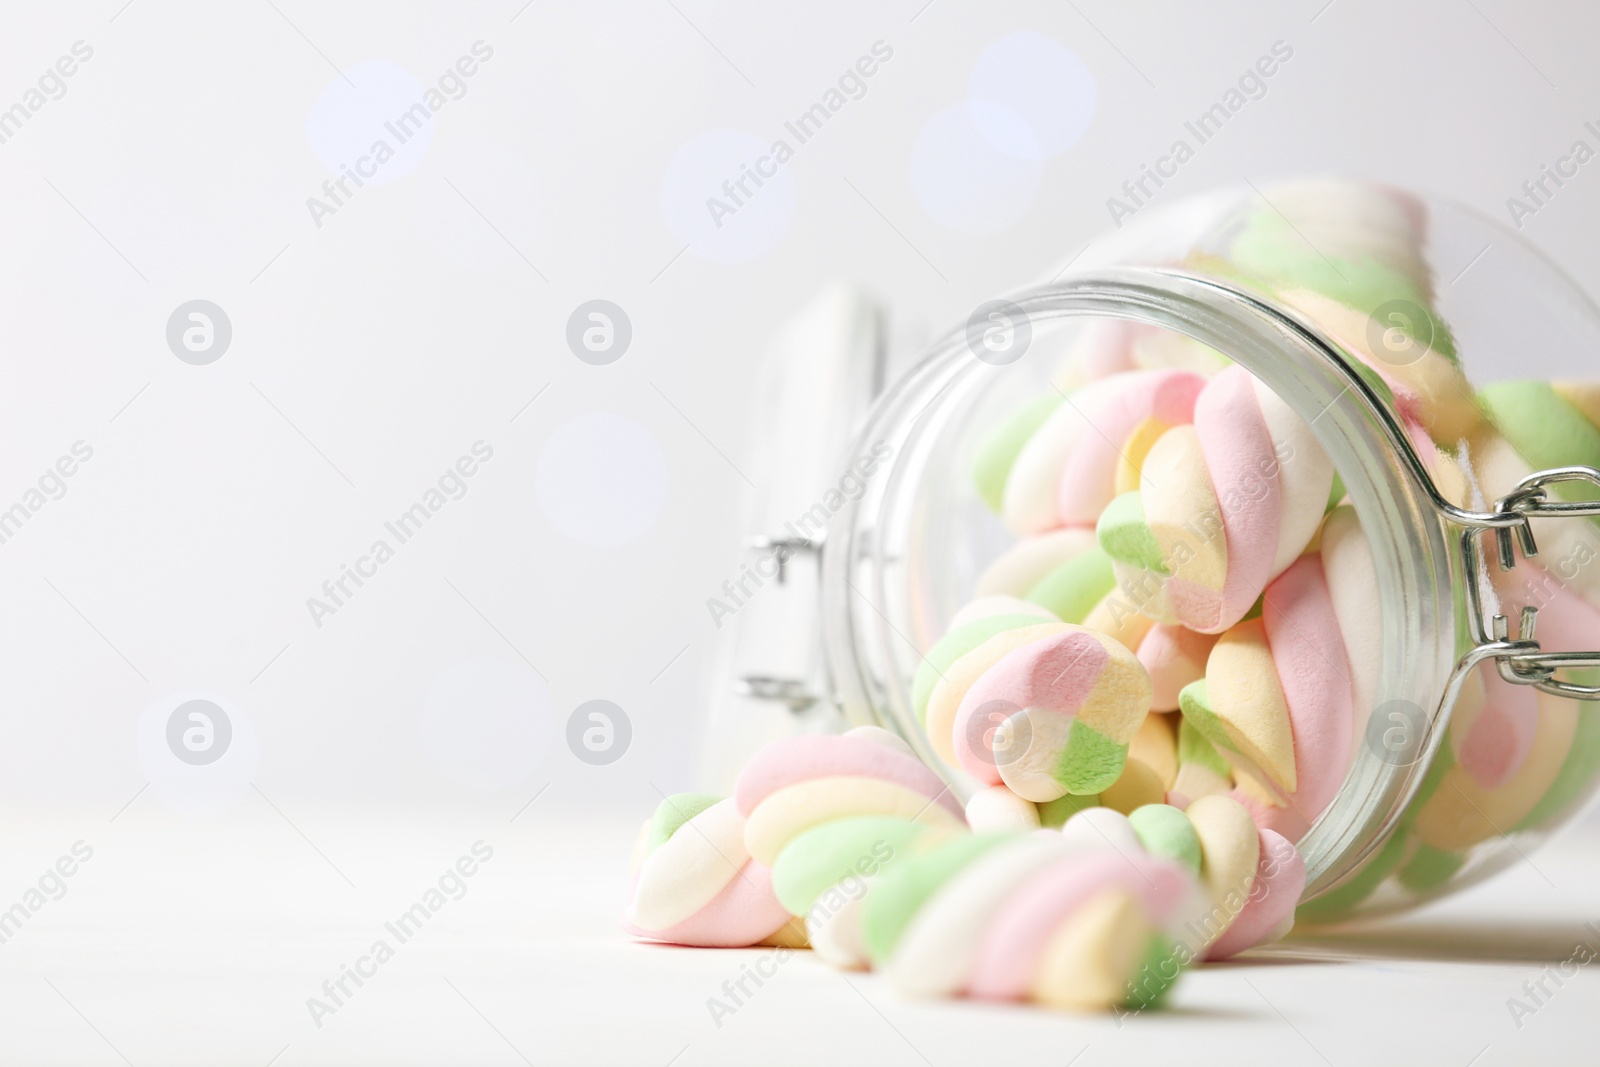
1256,440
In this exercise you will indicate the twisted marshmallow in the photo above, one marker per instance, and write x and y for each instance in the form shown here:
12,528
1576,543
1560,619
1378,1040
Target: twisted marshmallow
1057,461
1251,877
1045,707
799,783
694,883
941,910
1226,506
1023,916
1350,257
1277,701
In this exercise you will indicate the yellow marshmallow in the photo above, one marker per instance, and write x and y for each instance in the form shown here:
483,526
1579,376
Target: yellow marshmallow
1462,813
785,814
1242,682
1134,452
1230,849
1585,396
939,719
1450,411
1087,962
1120,700
1119,620
1137,786
1156,746
1182,509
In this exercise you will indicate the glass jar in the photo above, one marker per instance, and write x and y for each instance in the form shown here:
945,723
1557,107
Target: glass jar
1224,271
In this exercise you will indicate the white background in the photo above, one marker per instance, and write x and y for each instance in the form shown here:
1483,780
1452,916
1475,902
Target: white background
371,351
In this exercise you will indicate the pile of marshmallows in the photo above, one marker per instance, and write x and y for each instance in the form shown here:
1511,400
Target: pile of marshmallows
1163,683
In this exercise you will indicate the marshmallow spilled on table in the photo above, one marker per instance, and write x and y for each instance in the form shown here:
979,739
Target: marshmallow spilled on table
694,882
856,838
1163,684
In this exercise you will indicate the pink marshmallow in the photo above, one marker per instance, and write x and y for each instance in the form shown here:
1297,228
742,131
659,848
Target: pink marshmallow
1286,821
745,912
1088,479
1014,942
1501,736
1275,893
1174,656
1056,673
1314,671
798,759
1105,348
1243,464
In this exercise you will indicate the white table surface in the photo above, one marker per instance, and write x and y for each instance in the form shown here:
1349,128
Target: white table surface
199,942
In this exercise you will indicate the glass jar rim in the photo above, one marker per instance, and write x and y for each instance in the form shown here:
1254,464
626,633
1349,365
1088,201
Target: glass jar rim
1407,519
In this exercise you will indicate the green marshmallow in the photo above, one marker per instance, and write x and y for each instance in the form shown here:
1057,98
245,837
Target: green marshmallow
998,451
1195,703
1126,537
1374,381
1090,762
1444,758
1544,428
673,812
1272,249
1158,972
1075,587
824,856
1337,903
1429,868
1053,814
1165,831
901,893
955,644
1576,776
1194,748
1337,494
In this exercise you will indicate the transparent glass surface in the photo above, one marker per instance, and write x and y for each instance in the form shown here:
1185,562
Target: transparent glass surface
1373,314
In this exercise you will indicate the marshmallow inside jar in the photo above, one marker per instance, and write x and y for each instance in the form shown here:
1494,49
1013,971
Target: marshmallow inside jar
1188,521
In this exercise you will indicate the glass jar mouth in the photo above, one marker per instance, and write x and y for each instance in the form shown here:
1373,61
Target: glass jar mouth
877,625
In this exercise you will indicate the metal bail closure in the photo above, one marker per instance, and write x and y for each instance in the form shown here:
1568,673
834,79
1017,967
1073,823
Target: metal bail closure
823,369
1521,660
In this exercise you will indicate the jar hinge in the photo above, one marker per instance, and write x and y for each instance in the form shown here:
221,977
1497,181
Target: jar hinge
1521,660
798,694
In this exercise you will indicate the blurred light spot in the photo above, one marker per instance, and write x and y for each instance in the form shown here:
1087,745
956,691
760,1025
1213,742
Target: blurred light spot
1040,81
384,105
963,181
